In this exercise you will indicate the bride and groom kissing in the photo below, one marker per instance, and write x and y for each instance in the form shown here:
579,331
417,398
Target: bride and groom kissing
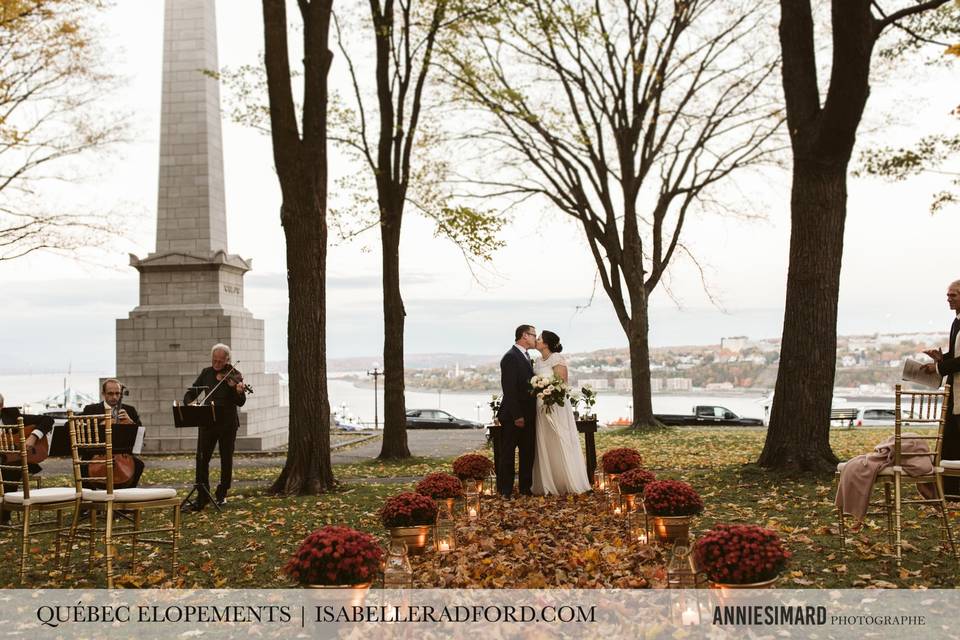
551,462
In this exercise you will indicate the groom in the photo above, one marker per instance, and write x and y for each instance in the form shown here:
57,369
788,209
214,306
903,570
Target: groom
517,414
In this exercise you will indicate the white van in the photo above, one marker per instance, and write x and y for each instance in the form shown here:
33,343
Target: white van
879,415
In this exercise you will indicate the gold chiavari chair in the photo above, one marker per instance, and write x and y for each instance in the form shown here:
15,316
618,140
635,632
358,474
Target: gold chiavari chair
913,409
13,448
93,434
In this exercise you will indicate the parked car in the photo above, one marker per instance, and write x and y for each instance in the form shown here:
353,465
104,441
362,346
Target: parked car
346,425
708,415
864,416
437,419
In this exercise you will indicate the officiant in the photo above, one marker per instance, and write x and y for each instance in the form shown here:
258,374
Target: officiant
948,364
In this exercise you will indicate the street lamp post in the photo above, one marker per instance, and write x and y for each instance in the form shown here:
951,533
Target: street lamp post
376,373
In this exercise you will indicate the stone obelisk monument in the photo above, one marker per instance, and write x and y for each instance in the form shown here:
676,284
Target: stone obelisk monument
191,288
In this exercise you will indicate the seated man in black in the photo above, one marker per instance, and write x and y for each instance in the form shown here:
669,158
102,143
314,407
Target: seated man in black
43,426
227,397
123,416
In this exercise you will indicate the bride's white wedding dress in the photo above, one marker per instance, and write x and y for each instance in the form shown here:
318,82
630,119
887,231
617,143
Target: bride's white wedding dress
558,468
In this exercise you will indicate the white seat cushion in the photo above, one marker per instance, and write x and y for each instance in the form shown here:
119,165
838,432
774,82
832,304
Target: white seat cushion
134,494
38,496
950,464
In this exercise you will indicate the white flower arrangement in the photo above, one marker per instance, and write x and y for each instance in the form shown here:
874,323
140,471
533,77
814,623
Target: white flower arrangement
551,389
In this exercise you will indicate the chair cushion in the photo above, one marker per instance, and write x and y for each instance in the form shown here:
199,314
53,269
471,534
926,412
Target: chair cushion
134,494
950,464
38,496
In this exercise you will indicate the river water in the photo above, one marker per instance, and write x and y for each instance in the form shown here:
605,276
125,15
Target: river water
358,402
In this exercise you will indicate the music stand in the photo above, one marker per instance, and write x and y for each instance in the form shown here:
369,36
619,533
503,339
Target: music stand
200,416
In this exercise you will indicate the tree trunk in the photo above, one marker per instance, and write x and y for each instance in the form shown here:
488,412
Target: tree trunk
394,445
798,438
638,334
308,469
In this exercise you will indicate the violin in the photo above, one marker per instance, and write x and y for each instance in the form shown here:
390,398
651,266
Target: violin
233,377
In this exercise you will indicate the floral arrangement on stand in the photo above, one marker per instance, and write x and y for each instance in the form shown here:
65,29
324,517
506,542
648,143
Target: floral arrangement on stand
408,509
589,398
335,555
494,403
671,498
740,554
440,486
633,481
620,460
551,389
472,466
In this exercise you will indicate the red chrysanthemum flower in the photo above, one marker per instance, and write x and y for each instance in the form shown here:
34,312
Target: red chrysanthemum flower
335,555
740,554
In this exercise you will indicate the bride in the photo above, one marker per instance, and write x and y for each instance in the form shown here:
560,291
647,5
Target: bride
559,467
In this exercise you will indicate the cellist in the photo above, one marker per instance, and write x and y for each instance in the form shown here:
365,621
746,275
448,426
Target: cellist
43,425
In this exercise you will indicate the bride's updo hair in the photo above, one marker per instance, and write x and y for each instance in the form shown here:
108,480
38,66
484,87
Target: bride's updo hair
552,341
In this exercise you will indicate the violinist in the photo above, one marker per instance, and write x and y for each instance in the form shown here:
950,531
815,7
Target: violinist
43,426
123,416
226,390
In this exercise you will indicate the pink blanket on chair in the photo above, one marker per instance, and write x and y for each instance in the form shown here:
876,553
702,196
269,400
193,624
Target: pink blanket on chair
860,473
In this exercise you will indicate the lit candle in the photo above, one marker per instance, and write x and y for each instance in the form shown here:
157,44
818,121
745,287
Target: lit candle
616,511
689,617
444,546
642,538
472,513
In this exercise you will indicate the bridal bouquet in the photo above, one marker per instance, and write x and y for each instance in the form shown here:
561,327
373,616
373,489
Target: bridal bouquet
551,389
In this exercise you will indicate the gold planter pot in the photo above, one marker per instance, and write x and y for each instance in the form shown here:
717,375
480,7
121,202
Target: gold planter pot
471,485
766,584
671,528
415,537
357,592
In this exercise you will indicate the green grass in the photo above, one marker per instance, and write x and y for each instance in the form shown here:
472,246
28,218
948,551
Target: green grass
248,543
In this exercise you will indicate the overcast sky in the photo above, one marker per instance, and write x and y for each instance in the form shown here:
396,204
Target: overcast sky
897,260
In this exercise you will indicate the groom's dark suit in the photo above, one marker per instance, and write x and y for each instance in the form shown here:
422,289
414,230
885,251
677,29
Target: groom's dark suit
515,374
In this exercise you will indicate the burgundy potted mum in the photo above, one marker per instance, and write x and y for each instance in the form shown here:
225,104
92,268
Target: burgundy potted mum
616,461
336,556
442,487
741,556
671,504
409,516
472,469
631,483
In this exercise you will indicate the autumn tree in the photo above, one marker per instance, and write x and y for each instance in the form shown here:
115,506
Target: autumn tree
934,153
300,158
627,116
51,79
387,132
823,130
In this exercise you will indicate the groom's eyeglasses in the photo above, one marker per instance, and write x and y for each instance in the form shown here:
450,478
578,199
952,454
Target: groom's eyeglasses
527,333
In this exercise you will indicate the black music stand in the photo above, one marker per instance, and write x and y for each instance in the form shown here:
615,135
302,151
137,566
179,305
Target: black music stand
200,416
